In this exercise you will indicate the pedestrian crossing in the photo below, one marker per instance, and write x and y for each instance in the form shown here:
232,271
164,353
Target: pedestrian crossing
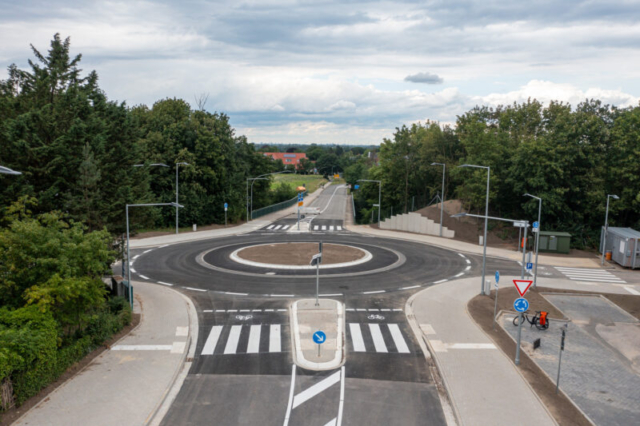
590,275
327,228
278,227
316,228
269,338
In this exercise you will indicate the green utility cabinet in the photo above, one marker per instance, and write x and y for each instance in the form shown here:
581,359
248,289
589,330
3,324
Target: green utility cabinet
554,242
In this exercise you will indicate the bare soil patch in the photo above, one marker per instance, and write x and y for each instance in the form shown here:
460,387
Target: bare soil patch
300,253
481,310
13,414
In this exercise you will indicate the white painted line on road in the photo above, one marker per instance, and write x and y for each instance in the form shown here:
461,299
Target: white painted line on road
232,310
331,228
207,310
245,310
132,270
256,310
374,310
588,278
398,310
468,261
141,347
339,228
269,310
324,228
277,227
467,268
378,340
253,346
462,255
281,295
232,341
147,251
398,339
459,275
195,289
293,382
331,422
472,346
632,290
143,277
361,310
271,226
212,340
385,310
275,345
182,331
331,295
163,283
409,288
375,292
316,389
284,228
178,347
165,245
356,337
441,281
236,294
341,406
315,227
136,256
350,309
282,310
221,310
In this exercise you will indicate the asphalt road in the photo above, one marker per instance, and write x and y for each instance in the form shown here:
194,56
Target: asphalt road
243,371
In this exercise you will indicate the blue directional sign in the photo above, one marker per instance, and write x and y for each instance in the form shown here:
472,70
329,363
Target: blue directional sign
521,304
300,197
356,186
226,205
529,266
497,276
536,225
319,337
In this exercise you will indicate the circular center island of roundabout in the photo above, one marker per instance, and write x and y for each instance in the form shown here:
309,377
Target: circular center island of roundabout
298,255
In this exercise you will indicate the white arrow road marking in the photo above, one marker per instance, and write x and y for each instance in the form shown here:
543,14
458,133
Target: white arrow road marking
314,390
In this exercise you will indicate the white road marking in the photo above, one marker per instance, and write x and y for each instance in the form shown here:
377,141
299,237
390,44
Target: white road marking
253,347
398,310
632,290
398,339
350,309
143,277
163,283
409,288
212,340
220,310
374,310
275,344
331,422
165,245
441,281
256,310
133,270
331,295
207,310
293,382
315,227
141,347
459,275
136,256
375,292
331,228
324,228
148,251
284,228
236,294
245,310
360,310
269,310
468,261
195,289
281,295
232,310
277,227
467,268
282,310
356,337
462,255
232,341
341,406
378,340
385,310
316,389
339,228
271,226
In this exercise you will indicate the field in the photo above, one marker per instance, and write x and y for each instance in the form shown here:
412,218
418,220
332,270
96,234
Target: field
312,182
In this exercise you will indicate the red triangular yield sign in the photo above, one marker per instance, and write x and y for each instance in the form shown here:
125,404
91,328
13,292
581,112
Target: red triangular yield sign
522,286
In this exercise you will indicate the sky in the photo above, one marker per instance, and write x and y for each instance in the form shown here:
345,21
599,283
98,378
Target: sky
344,72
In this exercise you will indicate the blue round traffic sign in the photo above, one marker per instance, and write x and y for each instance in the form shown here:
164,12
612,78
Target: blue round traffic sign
536,224
319,337
497,276
226,205
521,304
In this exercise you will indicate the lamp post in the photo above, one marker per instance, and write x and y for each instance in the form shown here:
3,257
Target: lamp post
606,226
261,177
379,194
176,205
444,167
535,273
8,171
486,221
178,164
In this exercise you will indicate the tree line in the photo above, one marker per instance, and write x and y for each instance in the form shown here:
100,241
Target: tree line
571,157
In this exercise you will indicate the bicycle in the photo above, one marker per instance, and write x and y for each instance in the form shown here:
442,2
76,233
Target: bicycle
540,320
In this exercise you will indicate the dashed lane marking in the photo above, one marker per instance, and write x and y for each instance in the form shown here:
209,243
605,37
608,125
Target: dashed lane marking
163,283
143,277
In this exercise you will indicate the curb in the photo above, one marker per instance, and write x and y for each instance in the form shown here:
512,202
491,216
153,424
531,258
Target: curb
448,404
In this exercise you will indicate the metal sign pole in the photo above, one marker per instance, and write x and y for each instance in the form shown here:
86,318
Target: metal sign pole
225,218
317,281
495,307
564,329
519,335
524,249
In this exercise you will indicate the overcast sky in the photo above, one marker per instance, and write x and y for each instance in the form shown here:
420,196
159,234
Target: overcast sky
340,71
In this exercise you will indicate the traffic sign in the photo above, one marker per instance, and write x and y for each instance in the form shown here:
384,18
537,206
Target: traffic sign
529,266
226,206
300,203
319,337
497,276
520,224
536,225
356,186
521,304
316,259
522,286
336,176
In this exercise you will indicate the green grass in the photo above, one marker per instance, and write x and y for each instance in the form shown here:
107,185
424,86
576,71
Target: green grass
312,182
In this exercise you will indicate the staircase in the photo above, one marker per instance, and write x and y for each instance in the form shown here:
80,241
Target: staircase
415,222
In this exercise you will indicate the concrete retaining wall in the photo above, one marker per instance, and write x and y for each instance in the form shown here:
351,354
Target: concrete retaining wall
416,223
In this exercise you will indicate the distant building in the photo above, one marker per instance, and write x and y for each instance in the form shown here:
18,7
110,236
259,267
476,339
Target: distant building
288,158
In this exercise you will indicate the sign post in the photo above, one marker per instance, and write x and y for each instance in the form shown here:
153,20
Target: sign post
300,202
319,338
317,260
226,206
495,307
521,305
564,332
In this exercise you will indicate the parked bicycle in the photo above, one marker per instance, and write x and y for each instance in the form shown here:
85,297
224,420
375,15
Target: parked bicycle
540,320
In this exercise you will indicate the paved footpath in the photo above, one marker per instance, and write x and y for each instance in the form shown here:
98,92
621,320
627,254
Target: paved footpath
129,384
483,384
221,232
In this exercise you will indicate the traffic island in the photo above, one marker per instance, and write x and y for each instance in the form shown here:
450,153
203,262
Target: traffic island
323,324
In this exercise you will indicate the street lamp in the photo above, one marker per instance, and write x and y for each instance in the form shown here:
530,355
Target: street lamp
379,194
178,164
444,167
261,177
606,226
176,205
535,274
8,171
486,221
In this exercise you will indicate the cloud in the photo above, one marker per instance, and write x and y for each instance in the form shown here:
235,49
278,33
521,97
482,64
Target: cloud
424,77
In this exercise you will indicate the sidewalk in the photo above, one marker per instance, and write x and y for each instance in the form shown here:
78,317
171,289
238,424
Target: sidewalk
484,386
451,244
222,232
128,384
